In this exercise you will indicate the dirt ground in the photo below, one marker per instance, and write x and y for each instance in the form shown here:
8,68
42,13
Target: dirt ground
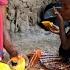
30,40
30,36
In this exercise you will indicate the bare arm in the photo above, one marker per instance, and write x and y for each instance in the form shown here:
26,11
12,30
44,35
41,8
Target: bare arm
61,27
8,45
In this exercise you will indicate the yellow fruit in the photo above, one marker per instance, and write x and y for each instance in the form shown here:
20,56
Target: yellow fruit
47,24
4,66
20,63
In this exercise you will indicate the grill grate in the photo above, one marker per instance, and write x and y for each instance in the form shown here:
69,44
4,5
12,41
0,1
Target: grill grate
53,62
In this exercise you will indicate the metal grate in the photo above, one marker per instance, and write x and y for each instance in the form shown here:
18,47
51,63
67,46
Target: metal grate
53,62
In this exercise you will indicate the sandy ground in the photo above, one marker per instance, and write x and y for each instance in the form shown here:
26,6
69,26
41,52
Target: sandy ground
33,39
28,41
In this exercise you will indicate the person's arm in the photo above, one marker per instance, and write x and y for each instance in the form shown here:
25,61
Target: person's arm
8,45
61,27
